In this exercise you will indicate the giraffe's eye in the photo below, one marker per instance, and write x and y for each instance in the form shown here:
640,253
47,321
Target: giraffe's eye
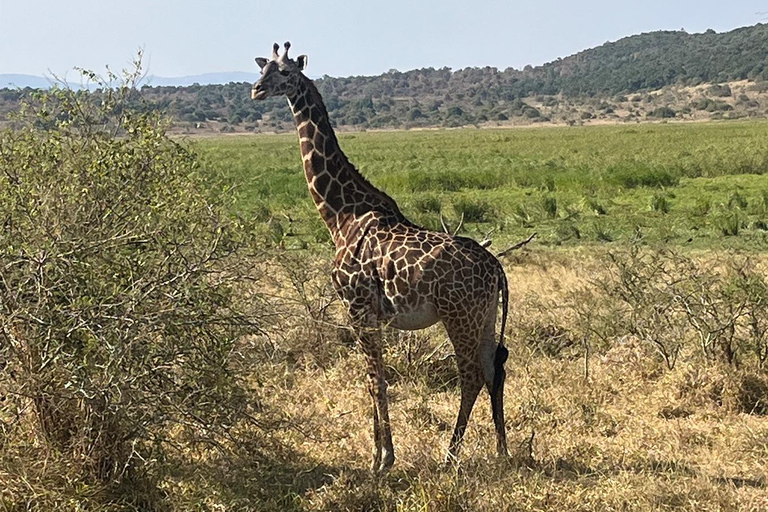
284,72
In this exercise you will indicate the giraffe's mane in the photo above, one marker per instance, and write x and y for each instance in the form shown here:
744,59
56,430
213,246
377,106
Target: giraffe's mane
317,99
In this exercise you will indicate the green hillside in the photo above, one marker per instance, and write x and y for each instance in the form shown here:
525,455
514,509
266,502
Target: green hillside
590,85
657,59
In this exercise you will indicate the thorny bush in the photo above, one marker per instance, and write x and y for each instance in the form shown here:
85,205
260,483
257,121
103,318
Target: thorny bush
715,306
121,288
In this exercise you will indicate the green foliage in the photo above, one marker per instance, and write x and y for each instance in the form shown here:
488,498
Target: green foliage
720,90
620,169
549,205
671,301
602,234
711,105
594,206
119,308
642,176
729,222
660,203
428,203
737,201
472,210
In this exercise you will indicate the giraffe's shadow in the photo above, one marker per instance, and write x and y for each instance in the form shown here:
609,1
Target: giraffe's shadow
265,474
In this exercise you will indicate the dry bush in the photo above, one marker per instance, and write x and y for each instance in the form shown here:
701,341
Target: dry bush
121,302
674,302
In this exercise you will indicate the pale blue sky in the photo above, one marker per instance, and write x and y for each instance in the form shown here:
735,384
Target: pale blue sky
341,37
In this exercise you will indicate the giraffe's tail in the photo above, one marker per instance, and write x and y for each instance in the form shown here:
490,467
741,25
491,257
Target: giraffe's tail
502,353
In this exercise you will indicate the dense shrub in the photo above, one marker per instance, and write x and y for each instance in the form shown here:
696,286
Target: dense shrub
663,113
715,308
119,299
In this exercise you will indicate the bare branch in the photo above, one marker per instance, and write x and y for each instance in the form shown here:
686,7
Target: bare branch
516,246
447,230
461,224
442,223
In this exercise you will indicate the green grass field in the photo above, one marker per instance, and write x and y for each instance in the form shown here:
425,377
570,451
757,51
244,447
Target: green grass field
699,185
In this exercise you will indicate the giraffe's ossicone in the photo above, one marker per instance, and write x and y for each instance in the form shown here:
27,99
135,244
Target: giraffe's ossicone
389,271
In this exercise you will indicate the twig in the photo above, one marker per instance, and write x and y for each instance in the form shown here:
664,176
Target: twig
516,246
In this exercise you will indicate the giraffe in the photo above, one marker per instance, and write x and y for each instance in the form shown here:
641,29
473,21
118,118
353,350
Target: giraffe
389,271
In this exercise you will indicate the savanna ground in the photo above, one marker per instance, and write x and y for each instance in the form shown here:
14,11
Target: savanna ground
598,420
638,333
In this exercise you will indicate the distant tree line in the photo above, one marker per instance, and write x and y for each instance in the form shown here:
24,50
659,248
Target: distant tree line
444,97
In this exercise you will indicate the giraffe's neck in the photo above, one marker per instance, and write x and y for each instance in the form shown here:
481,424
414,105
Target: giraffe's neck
341,194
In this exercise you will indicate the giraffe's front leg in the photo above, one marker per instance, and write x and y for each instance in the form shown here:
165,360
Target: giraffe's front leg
384,453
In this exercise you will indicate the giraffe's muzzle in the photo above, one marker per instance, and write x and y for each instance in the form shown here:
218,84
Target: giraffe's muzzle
257,93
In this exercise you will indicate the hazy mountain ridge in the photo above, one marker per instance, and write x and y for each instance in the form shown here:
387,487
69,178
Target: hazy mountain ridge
12,80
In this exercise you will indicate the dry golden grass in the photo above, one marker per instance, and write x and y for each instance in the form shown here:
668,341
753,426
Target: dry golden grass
630,435
627,435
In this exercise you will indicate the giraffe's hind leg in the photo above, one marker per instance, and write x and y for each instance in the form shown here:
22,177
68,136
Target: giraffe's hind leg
466,340
384,452
471,384
480,363
493,357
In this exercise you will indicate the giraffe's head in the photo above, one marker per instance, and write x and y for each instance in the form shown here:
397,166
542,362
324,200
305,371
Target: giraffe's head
280,75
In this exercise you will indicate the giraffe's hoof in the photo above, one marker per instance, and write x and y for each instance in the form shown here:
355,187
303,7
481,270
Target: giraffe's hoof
450,462
376,463
387,461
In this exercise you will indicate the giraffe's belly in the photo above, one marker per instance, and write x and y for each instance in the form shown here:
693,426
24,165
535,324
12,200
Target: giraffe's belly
419,318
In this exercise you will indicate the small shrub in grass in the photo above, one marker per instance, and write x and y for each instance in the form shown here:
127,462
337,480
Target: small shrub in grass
567,231
670,300
751,393
660,203
549,205
702,207
261,212
736,200
728,222
522,216
601,232
427,204
473,210
595,206
450,181
633,177
276,231
549,339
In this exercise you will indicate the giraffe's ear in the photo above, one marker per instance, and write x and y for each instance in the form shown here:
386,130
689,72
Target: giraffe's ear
261,61
301,62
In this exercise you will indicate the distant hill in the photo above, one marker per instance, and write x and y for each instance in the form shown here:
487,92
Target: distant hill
39,82
22,81
656,59
204,79
657,75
